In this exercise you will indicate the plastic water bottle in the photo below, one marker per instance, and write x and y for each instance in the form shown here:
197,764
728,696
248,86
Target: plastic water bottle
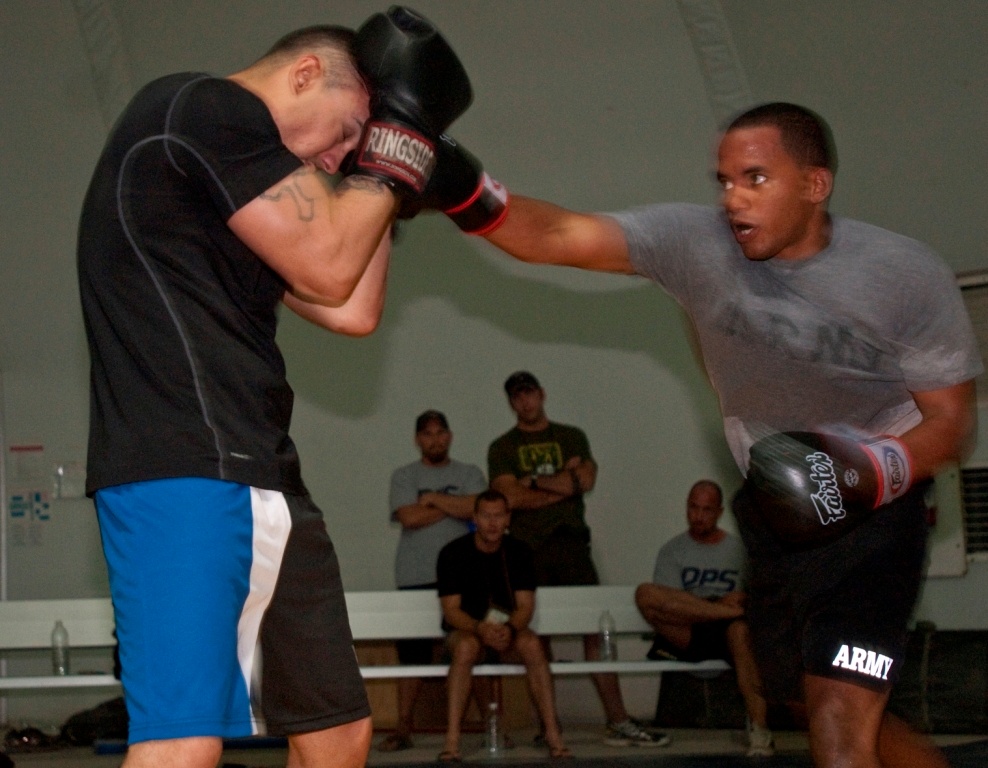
608,639
60,649
493,731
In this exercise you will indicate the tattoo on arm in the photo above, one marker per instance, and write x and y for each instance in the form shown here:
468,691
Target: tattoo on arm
363,183
304,205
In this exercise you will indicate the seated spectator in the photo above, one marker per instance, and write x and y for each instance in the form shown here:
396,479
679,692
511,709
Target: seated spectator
432,499
697,609
486,583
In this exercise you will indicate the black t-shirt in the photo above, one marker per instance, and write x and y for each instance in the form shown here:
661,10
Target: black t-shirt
485,580
186,378
522,454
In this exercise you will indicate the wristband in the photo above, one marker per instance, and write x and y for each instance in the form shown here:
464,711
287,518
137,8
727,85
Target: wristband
893,467
484,211
533,482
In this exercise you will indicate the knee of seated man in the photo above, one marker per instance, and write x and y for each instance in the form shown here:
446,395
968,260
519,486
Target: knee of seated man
465,646
526,642
643,594
653,598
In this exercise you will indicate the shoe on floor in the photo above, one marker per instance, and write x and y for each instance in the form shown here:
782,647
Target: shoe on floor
395,742
628,734
646,725
760,742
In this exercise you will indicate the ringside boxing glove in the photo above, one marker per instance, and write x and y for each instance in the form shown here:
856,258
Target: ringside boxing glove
418,88
461,189
812,488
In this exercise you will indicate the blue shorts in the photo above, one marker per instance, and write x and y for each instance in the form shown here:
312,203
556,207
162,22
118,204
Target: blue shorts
204,576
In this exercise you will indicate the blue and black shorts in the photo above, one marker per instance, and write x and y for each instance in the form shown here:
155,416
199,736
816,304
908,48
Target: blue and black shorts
207,577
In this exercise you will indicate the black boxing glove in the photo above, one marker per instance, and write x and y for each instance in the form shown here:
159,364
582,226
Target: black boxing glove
461,189
418,87
812,488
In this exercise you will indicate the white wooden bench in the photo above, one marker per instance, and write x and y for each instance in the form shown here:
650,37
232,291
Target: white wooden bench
383,615
560,611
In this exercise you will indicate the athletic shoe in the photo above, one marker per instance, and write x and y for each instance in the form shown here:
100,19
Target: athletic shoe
760,741
646,725
627,734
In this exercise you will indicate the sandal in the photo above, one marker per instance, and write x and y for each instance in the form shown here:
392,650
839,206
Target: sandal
395,742
446,756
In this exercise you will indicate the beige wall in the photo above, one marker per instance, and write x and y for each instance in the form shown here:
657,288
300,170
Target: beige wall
591,104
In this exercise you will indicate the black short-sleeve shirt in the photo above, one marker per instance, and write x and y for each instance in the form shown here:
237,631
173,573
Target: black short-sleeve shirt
186,378
485,580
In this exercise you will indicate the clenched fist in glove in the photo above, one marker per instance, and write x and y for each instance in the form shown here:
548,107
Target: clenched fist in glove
812,488
418,89
461,189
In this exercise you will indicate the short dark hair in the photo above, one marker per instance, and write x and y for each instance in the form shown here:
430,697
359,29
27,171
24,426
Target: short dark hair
316,36
805,135
520,381
490,495
428,417
338,42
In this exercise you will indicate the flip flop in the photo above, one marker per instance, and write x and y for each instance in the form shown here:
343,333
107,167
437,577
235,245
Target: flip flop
449,757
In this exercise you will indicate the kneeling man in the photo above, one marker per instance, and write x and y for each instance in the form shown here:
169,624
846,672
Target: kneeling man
486,583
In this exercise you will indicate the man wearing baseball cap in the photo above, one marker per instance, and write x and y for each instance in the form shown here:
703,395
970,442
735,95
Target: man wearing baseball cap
432,499
544,468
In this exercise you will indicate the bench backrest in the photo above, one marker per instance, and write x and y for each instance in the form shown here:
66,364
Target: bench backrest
384,615
558,611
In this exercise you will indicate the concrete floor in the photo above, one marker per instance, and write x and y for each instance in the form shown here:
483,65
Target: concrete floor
585,742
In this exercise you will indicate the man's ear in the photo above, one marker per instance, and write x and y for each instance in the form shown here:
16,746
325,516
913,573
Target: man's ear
820,184
306,72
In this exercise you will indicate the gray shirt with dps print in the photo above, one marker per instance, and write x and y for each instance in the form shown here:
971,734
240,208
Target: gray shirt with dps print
836,340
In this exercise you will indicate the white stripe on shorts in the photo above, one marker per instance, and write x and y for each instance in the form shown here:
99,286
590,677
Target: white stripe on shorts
272,524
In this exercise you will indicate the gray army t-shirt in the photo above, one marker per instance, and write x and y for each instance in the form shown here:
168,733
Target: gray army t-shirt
836,340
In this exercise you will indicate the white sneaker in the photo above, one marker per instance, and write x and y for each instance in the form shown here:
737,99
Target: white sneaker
760,741
628,734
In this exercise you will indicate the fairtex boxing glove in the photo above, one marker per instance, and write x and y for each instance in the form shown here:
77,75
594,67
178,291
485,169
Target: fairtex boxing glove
812,488
418,88
461,189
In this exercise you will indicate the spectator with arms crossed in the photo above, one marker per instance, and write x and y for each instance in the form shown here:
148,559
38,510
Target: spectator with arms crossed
544,468
432,499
